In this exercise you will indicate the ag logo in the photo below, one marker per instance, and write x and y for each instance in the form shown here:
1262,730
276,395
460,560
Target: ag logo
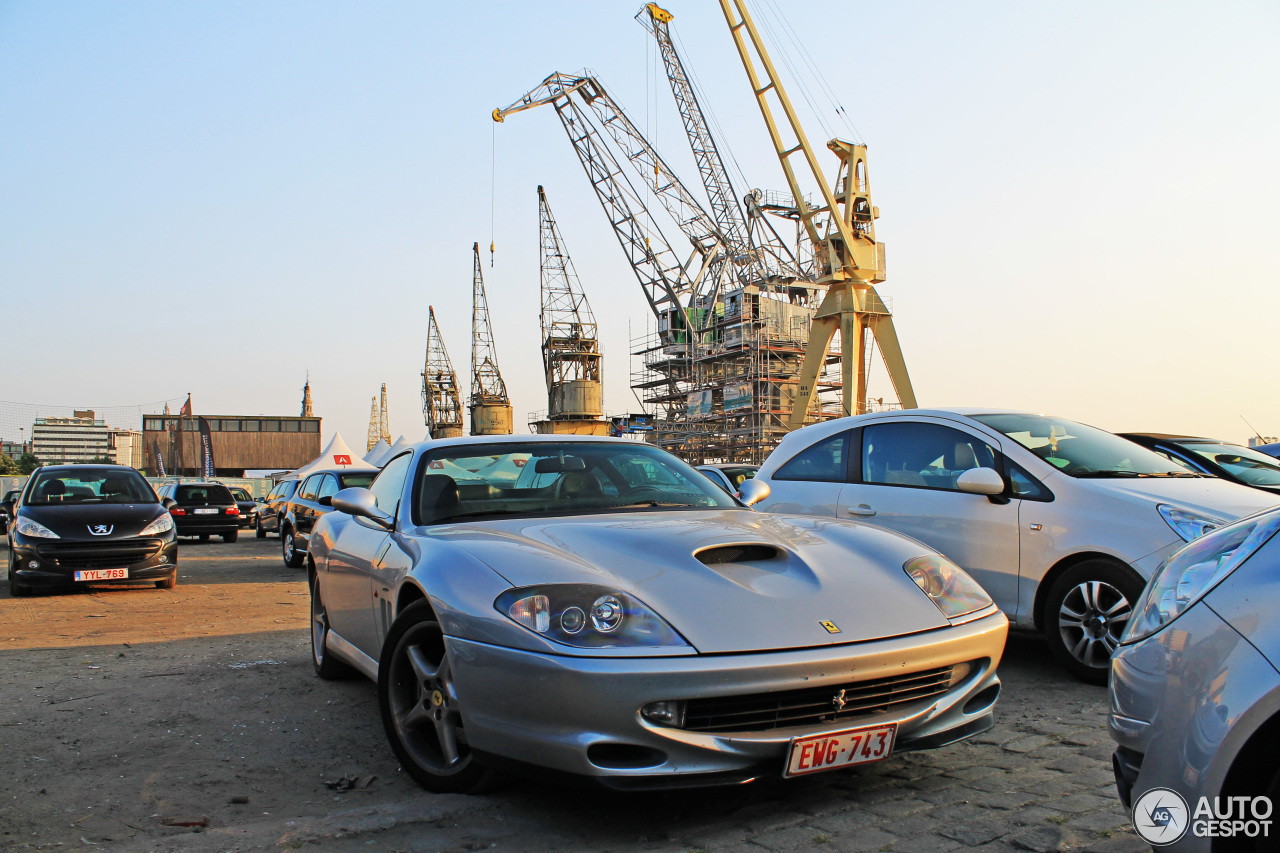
101,529
1161,816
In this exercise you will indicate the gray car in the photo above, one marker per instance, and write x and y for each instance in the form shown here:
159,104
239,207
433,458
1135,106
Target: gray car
1195,694
599,607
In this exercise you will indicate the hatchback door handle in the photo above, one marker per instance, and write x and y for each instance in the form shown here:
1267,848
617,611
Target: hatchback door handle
861,509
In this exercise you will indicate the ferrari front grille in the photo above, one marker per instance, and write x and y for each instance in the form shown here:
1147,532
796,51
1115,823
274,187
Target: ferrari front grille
813,705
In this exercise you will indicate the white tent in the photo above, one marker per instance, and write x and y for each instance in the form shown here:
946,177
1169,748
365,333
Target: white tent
402,443
378,454
336,455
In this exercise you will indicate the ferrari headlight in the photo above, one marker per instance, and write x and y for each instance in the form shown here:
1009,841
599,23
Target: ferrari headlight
1187,524
163,524
947,585
35,529
1192,572
587,616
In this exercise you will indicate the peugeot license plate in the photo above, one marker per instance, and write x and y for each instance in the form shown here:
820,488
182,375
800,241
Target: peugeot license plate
102,574
815,753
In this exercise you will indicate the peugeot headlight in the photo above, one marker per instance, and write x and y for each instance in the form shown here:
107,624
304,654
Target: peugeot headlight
587,616
947,585
1187,524
163,524
1191,573
35,529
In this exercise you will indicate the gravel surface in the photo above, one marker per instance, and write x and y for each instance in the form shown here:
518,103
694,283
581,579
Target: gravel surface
144,719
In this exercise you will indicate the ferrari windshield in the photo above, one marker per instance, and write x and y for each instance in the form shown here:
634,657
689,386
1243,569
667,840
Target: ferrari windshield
539,478
1082,451
1256,469
89,485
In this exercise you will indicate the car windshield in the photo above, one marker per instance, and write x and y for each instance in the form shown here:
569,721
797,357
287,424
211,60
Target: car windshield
89,485
1254,468
737,475
361,481
203,493
537,478
241,494
1082,451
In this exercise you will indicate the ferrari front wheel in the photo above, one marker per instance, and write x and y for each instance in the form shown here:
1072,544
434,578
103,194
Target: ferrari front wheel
420,707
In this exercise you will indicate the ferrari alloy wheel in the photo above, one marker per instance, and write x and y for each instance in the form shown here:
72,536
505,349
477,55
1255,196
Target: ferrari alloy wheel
420,708
1086,613
289,549
326,666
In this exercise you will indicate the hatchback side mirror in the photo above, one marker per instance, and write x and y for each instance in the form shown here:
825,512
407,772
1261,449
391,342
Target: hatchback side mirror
362,504
168,503
325,500
981,481
753,491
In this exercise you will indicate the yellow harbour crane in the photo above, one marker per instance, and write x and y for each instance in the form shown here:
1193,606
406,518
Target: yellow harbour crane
842,231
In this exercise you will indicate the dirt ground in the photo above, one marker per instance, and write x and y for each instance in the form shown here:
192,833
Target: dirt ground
190,720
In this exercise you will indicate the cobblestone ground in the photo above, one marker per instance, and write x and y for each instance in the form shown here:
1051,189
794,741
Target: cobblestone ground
1039,781
121,711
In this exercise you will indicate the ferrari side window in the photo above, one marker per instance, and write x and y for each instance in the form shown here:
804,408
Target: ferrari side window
390,483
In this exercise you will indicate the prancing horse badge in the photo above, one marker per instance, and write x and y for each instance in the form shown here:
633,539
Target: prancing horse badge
831,627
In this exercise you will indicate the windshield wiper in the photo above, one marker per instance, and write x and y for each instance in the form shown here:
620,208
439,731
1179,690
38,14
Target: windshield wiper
648,503
1116,472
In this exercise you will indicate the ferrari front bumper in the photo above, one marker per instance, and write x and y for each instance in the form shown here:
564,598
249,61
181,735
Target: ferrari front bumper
582,715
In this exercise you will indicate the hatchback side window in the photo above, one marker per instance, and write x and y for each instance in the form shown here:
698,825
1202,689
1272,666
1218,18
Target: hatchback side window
1025,486
328,487
389,484
827,461
912,453
308,490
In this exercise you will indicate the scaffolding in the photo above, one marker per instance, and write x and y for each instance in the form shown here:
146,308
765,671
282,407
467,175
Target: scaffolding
727,398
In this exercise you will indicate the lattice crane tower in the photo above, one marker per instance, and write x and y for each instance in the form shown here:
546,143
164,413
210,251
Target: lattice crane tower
384,430
441,403
570,345
490,406
374,434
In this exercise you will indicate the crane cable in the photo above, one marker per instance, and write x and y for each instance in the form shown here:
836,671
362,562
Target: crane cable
493,183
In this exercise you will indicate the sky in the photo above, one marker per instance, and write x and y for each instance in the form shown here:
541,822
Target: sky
222,197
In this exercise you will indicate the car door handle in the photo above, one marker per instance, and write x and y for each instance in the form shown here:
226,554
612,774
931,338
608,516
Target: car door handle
861,509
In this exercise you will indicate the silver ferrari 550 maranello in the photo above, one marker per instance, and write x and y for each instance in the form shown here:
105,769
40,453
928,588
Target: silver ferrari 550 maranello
599,607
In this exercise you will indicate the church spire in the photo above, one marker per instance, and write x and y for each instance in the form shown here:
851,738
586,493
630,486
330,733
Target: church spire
307,411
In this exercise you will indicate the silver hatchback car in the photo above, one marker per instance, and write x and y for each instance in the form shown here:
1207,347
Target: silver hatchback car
1195,695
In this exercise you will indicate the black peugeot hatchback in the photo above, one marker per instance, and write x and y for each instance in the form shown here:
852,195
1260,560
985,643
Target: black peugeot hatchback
79,524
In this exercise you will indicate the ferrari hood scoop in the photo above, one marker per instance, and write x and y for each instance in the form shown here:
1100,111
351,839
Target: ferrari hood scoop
749,553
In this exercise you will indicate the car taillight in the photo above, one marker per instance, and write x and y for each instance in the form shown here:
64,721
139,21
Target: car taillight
177,510
234,510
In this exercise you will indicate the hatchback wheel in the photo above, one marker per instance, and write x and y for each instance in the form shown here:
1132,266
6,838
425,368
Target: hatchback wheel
17,588
258,531
289,549
1086,613
420,709
326,666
